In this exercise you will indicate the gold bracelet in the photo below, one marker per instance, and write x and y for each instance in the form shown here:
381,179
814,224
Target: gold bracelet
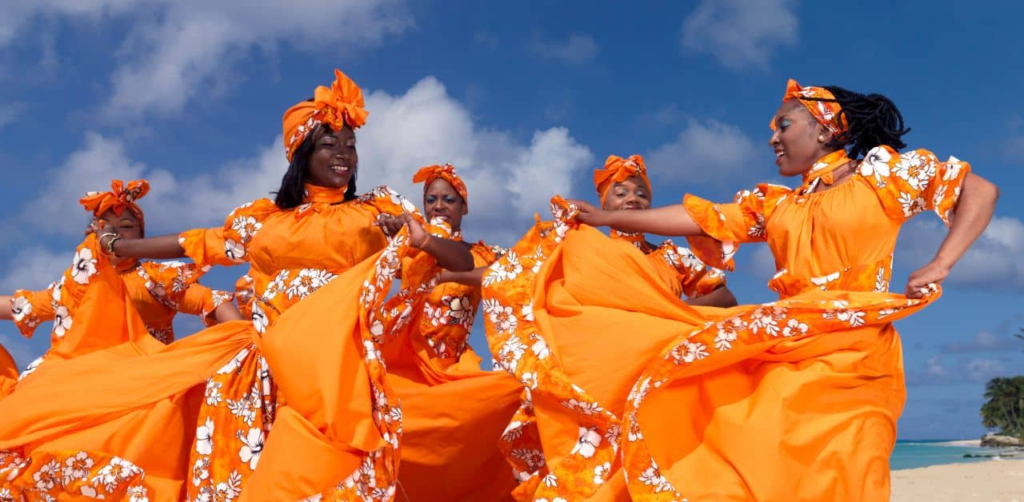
425,241
110,244
101,236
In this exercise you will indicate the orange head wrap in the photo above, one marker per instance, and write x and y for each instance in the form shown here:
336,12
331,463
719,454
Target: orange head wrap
428,174
825,112
616,170
121,197
341,104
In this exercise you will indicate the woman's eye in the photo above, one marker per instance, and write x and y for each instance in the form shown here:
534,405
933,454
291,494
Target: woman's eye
431,199
449,200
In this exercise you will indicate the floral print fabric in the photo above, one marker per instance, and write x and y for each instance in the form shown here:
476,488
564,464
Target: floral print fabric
577,436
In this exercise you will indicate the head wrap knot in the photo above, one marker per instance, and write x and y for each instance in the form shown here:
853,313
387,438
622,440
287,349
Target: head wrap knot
336,106
121,197
616,170
428,174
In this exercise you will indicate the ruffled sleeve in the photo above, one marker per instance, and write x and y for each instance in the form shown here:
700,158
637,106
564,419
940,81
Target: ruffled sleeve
484,255
176,286
384,200
729,225
31,308
696,278
228,245
915,181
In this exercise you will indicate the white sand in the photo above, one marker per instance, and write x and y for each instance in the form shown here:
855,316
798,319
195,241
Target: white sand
991,481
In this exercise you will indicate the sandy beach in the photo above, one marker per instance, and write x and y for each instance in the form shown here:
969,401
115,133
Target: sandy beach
992,481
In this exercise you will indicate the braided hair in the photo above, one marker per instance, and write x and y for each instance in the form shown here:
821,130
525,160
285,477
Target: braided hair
292,192
873,121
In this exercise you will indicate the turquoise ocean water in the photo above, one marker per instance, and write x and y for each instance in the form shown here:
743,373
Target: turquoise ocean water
913,454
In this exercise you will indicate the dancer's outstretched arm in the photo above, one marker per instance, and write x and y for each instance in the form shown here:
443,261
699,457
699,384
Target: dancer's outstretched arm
450,255
668,220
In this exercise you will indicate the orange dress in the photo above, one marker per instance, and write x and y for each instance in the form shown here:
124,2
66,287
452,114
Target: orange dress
633,394
293,254
158,291
681,269
453,412
75,424
339,435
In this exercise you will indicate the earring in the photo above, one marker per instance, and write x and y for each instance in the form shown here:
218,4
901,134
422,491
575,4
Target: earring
821,139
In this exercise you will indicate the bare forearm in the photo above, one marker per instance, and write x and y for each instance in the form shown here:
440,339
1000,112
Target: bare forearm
721,297
450,255
668,220
227,311
158,248
5,309
472,278
973,213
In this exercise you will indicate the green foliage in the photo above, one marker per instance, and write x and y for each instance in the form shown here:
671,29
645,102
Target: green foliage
1004,406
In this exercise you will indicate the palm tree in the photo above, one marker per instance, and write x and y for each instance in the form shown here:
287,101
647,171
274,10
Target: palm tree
1004,406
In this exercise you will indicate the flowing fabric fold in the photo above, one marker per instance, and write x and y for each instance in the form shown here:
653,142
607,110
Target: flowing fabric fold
116,422
632,393
453,413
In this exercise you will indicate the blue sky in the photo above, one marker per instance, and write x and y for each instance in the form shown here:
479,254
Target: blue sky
525,98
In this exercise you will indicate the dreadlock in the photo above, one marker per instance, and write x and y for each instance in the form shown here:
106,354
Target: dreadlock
873,121
292,192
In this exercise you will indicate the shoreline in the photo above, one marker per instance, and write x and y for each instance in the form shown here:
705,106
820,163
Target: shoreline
991,480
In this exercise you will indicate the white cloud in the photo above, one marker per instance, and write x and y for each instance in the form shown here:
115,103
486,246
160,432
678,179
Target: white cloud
508,179
577,50
179,49
34,268
89,168
1013,148
16,16
981,370
705,152
10,112
985,341
505,177
992,263
934,368
740,33
486,39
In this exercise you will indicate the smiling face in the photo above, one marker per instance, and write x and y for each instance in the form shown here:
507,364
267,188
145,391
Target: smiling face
630,193
440,200
798,140
334,159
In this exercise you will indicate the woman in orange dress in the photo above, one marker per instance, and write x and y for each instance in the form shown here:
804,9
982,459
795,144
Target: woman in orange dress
158,291
453,411
623,185
796,399
321,261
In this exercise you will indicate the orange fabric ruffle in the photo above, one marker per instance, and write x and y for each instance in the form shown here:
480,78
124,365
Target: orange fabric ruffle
121,197
428,174
336,106
617,169
747,381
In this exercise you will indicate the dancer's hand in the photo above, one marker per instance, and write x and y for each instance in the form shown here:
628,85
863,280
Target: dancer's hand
389,224
932,273
418,236
590,214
